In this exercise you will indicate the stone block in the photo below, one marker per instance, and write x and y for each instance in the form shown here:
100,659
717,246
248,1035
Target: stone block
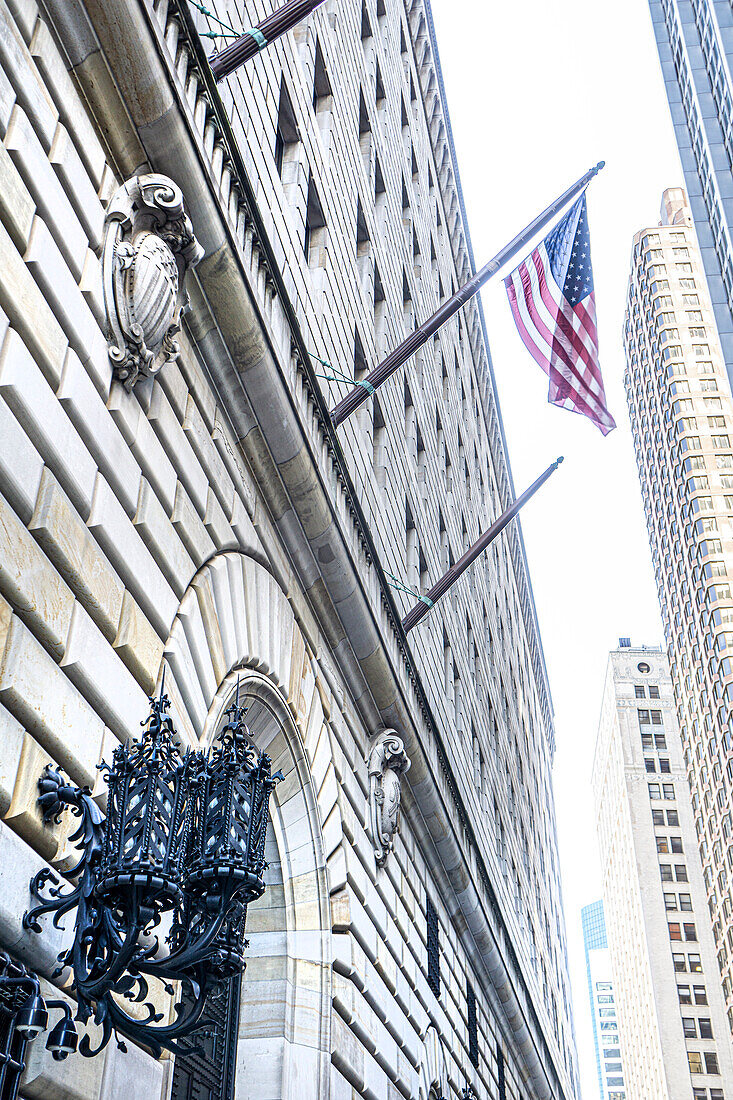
25,13
73,550
78,186
29,312
20,863
93,290
178,448
11,739
55,278
44,421
190,527
16,205
144,444
217,525
20,465
31,160
198,434
7,102
105,441
31,585
40,696
138,645
162,540
24,814
131,558
16,61
132,1076
103,678
66,98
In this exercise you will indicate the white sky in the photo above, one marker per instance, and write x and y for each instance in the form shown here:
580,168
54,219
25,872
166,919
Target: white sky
538,93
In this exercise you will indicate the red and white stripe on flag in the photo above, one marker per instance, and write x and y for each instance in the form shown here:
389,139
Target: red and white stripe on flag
562,338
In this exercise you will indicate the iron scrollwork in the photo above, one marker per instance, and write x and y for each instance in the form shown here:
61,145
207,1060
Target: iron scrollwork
163,882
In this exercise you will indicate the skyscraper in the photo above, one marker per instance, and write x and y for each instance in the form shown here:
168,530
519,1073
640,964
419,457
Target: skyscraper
695,43
175,258
602,1003
682,425
671,1017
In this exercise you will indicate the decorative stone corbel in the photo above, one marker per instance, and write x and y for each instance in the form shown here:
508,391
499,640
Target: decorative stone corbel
387,763
149,245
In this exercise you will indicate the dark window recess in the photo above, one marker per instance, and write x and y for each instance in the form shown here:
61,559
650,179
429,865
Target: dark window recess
314,218
433,948
209,1074
472,1026
500,1074
286,131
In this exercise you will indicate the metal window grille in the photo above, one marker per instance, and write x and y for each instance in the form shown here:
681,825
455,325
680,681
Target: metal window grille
433,948
208,1072
472,1026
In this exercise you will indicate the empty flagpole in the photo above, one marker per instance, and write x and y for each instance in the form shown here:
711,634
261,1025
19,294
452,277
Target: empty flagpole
359,394
427,602
257,38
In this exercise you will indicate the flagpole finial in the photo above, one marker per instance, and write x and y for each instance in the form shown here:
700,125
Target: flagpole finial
601,164
559,461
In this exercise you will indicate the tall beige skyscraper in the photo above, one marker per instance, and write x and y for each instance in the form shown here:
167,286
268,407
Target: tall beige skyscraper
670,1012
682,424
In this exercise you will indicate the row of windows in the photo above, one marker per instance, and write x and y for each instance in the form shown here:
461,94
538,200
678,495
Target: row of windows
651,764
683,902
669,844
683,932
703,1094
706,1062
666,790
640,690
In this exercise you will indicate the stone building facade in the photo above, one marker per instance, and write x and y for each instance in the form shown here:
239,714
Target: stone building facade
669,1012
190,508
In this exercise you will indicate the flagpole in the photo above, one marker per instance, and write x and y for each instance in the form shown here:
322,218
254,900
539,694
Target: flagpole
356,397
259,37
439,589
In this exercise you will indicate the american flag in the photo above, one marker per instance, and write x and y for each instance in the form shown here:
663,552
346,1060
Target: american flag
554,307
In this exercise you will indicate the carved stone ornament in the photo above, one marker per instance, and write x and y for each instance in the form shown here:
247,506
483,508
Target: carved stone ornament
148,247
387,763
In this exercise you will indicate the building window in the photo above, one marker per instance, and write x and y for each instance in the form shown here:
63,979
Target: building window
695,964
658,817
680,963
680,872
653,691
676,842
314,221
686,903
433,948
662,844
673,818
700,994
639,691
689,1028
705,1026
654,790
670,901
668,790
690,933
711,1062
695,1061
675,932
665,869
286,131
650,764
683,992
664,765
472,1026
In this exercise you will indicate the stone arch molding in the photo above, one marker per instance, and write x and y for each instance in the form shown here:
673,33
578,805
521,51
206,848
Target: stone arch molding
235,623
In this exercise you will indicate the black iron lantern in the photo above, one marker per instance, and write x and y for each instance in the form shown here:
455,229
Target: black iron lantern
163,883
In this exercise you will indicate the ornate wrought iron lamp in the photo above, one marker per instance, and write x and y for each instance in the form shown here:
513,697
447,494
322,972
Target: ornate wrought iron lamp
162,886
